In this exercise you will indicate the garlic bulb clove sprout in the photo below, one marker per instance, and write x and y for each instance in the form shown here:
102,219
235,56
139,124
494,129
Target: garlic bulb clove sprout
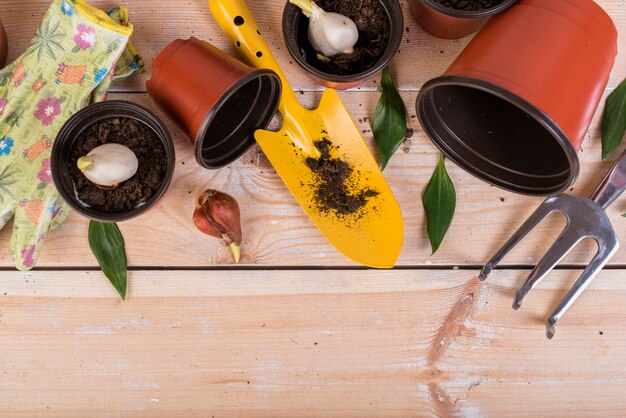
217,214
329,33
109,165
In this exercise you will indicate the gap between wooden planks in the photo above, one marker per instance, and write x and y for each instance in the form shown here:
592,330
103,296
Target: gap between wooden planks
350,343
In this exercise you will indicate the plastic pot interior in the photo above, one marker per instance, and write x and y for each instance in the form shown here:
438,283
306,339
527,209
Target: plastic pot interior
293,20
71,131
468,14
497,136
228,129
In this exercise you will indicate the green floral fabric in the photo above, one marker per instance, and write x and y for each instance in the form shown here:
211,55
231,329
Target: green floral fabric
71,56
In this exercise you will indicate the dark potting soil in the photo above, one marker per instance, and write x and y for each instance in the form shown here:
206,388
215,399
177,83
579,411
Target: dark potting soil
469,5
138,189
334,189
373,24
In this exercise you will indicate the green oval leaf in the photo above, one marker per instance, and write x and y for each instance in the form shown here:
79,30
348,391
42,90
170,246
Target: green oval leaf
439,201
389,120
107,244
614,120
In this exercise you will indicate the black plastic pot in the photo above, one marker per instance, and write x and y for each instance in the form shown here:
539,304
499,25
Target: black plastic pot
294,23
71,131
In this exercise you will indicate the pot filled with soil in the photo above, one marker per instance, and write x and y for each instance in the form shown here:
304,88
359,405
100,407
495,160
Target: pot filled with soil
454,19
515,106
112,161
378,31
215,99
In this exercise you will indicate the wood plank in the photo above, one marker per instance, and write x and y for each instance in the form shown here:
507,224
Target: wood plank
278,233
331,343
421,56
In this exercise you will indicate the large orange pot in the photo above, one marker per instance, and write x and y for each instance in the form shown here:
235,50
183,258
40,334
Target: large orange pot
448,23
514,107
215,99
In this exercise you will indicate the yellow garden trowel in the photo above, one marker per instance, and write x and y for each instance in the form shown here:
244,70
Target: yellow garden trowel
322,158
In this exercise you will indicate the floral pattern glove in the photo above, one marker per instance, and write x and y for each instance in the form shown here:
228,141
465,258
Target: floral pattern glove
72,53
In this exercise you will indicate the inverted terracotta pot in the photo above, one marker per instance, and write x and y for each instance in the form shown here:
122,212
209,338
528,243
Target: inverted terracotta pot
215,99
514,107
295,24
448,23
3,46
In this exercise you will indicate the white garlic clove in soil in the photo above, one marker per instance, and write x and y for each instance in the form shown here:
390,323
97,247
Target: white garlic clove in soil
329,33
109,164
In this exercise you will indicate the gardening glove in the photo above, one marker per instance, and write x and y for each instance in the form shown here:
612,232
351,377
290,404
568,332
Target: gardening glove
73,51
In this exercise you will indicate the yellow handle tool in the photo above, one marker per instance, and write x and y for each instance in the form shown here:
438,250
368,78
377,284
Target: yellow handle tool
371,235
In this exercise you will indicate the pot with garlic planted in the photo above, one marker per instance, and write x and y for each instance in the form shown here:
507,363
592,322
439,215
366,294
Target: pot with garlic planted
342,43
112,161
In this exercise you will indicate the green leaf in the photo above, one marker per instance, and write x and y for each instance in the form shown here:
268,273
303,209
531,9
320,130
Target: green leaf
439,200
614,120
107,244
389,120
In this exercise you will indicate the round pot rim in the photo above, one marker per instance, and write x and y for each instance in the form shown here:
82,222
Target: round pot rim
394,41
537,114
215,108
469,14
111,106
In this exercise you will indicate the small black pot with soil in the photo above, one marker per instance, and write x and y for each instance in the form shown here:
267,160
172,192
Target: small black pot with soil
119,122
380,24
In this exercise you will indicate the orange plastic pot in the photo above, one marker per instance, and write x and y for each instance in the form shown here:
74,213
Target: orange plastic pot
448,23
515,106
3,46
215,99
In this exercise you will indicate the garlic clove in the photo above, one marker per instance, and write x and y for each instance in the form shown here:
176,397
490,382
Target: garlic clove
329,33
108,165
217,214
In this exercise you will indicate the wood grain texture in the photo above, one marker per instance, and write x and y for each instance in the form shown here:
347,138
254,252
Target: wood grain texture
420,58
343,343
277,232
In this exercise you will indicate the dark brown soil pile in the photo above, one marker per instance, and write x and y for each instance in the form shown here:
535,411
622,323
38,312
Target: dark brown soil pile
134,191
334,190
470,5
373,24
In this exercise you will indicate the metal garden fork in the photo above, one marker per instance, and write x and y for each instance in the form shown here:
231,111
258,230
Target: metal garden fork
586,218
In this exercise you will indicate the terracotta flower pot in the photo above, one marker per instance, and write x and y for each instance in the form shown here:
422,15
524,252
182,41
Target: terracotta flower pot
3,46
70,133
448,23
295,27
514,107
215,99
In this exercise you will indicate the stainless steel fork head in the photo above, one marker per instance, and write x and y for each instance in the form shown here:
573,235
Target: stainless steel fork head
585,219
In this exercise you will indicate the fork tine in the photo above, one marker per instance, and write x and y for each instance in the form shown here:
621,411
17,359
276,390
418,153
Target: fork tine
563,245
545,209
604,254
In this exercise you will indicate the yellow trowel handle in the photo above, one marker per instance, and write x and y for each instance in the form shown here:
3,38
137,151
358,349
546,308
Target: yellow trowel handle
236,20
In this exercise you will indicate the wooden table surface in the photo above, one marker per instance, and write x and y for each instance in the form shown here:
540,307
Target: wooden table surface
297,329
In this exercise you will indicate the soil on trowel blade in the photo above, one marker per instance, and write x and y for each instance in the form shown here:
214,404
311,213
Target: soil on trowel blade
138,189
371,20
334,190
